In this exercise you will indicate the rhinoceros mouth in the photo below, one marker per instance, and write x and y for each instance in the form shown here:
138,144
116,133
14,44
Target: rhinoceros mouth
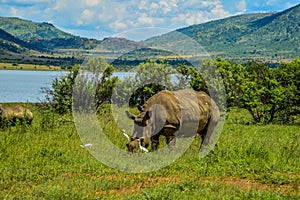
135,144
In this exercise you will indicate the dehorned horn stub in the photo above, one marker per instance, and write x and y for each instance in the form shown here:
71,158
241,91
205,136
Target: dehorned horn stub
129,115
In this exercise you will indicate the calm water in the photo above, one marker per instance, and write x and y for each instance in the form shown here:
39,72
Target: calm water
25,86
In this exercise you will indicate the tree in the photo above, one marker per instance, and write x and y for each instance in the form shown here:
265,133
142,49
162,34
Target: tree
90,86
60,95
151,77
190,77
206,78
289,77
263,95
233,76
94,85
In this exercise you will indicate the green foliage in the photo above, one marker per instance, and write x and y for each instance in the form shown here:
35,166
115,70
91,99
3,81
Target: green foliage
269,94
290,78
259,92
94,85
251,36
91,86
207,78
151,77
190,75
263,94
24,29
60,95
233,76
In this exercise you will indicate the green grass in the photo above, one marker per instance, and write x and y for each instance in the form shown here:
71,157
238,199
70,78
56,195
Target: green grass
11,66
45,161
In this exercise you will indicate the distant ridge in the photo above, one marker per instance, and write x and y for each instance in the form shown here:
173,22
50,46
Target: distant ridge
11,44
24,29
261,36
249,36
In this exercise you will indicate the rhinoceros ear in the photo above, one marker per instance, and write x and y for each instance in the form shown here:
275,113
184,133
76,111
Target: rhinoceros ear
129,115
148,115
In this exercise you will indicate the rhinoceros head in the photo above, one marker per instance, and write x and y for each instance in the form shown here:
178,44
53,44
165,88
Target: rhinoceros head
141,130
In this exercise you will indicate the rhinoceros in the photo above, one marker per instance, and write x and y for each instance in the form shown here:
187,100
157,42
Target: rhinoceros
175,114
12,114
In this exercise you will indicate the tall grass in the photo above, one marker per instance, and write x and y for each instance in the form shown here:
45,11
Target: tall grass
45,161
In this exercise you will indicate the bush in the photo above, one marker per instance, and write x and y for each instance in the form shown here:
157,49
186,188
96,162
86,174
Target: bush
91,87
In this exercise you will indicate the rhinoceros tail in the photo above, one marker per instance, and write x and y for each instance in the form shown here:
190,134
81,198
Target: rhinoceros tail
211,134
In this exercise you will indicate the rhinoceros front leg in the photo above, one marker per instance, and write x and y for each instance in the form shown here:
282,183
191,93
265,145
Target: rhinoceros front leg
155,142
170,132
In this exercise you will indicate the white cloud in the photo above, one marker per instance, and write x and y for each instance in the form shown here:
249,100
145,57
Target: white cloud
121,15
59,5
92,3
143,5
14,11
219,12
154,6
144,19
118,26
113,16
190,19
204,4
87,14
85,18
241,6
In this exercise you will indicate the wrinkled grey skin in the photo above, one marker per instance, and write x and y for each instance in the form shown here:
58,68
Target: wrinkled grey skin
174,114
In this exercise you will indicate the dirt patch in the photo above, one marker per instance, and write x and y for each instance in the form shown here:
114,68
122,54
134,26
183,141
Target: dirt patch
137,187
247,184
152,182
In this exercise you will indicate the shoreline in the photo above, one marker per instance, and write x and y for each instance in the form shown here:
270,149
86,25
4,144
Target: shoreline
29,67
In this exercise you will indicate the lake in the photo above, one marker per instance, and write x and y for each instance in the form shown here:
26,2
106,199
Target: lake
25,86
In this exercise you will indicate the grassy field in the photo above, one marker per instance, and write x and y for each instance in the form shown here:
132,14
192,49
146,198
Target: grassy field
11,66
45,161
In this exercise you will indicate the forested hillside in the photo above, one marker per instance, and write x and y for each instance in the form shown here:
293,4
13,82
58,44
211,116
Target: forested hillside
262,36
24,29
10,43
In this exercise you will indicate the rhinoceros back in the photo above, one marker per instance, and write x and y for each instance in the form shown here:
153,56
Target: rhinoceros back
183,107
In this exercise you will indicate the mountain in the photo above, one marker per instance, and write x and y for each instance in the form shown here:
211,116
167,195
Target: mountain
24,29
44,36
120,44
9,43
261,35
269,36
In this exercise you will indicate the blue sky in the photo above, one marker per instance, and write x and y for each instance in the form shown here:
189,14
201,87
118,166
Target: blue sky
105,18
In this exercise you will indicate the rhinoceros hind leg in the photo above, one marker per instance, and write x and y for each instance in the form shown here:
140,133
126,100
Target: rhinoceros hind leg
169,139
